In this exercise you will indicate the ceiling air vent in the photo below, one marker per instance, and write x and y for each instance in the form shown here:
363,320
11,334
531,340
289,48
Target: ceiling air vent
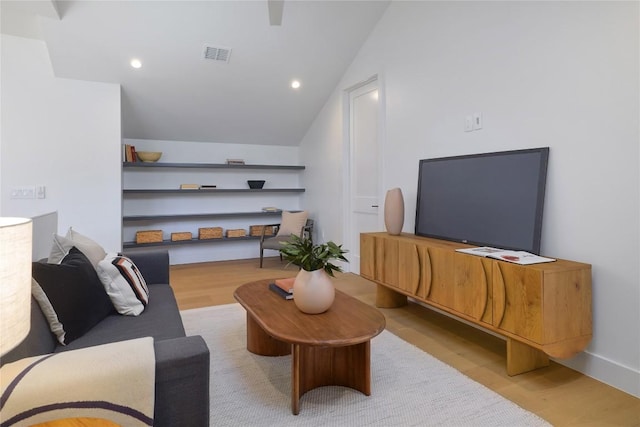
220,54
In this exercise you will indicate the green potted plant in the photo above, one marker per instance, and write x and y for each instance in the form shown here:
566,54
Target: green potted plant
313,291
303,253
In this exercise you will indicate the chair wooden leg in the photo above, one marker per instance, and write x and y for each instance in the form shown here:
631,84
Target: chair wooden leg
261,251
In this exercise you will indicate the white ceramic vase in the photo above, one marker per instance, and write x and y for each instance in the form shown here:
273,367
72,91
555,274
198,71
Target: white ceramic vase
394,211
313,291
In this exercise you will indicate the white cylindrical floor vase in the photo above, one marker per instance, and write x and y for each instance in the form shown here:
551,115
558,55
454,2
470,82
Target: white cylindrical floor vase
394,211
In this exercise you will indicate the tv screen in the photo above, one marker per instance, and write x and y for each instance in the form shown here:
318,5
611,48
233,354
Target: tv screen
490,199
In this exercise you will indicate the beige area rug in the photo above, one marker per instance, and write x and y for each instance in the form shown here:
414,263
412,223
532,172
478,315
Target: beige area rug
409,387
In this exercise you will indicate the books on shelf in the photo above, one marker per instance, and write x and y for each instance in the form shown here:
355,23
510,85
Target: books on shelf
189,186
130,153
285,284
197,186
271,209
517,257
235,161
280,291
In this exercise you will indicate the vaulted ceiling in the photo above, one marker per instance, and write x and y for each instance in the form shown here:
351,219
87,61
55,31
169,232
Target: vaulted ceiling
179,95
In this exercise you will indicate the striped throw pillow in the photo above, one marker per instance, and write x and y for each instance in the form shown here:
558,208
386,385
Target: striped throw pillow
124,284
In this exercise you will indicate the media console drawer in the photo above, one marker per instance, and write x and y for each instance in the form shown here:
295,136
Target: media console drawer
542,309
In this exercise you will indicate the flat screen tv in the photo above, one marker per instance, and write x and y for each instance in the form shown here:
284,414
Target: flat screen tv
491,199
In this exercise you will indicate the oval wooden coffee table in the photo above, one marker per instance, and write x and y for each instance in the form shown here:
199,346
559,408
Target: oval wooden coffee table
332,348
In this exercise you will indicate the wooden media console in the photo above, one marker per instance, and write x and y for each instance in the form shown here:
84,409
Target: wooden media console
542,309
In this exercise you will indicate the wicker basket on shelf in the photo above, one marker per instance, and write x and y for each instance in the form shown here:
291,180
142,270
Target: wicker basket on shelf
256,230
238,232
182,235
149,236
210,233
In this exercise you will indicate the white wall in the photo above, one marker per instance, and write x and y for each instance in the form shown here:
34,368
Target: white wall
557,74
63,134
66,135
197,152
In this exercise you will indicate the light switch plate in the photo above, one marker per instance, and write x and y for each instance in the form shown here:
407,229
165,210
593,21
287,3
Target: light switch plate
41,192
477,121
468,123
23,192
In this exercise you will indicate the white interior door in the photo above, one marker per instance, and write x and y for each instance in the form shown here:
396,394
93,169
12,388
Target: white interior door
364,167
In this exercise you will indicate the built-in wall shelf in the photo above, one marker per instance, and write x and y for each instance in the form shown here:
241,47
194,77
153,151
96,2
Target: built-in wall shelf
134,218
152,199
212,190
128,245
208,166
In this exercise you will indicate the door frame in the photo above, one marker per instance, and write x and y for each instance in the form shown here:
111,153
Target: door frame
347,155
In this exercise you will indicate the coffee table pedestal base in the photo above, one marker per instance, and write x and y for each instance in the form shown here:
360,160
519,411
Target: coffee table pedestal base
261,343
313,366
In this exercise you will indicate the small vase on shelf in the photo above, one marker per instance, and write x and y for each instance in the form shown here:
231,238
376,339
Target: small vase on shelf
394,211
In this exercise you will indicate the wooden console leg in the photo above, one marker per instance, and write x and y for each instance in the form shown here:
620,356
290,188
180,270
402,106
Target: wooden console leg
387,298
522,358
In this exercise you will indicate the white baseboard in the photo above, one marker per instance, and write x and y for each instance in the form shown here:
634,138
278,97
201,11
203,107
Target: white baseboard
592,365
605,370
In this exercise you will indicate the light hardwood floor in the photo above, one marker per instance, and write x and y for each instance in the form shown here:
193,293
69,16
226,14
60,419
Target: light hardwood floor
558,394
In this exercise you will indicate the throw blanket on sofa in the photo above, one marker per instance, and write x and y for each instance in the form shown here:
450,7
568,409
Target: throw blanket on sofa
114,381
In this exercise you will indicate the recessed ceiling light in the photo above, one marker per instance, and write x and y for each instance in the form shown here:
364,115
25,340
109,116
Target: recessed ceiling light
295,84
136,63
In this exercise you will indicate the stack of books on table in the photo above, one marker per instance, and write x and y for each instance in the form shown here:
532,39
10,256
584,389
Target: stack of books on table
283,287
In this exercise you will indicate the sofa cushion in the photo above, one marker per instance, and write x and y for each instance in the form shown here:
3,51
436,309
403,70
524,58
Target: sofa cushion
124,284
39,341
160,320
75,293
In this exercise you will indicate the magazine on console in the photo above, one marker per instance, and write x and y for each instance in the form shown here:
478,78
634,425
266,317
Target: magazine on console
517,257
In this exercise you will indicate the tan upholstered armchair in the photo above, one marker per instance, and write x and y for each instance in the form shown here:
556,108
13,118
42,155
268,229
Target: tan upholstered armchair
282,233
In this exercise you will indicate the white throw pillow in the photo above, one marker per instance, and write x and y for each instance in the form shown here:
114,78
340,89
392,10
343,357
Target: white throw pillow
292,223
124,284
59,249
88,247
61,246
47,309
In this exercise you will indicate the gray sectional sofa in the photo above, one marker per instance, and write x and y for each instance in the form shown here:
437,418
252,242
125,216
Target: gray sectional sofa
182,362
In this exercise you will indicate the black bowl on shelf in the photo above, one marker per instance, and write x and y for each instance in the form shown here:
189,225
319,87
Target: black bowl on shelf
256,184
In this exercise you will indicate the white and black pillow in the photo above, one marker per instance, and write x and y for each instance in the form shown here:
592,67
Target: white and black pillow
124,284
74,292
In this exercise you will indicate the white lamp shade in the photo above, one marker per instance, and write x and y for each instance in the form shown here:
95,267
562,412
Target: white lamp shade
15,281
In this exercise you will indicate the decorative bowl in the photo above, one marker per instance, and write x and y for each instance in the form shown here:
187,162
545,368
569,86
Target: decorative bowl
149,156
256,184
